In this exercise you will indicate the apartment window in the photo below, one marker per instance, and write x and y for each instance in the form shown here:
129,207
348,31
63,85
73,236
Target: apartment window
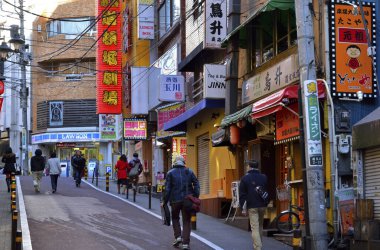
169,13
70,26
86,67
271,33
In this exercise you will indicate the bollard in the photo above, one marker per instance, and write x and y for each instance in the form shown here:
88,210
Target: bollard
193,221
96,175
134,192
296,242
18,240
13,182
150,195
13,206
107,182
127,191
85,173
13,196
14,229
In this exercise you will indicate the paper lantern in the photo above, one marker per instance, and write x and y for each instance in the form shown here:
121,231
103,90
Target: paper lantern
234,134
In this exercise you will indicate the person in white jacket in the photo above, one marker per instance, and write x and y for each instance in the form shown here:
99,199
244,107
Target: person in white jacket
53,168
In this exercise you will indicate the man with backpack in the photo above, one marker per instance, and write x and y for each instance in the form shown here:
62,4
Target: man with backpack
252,193
136,168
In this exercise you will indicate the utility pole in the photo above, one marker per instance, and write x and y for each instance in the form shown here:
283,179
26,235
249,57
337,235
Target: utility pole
24,93
233,53
311,120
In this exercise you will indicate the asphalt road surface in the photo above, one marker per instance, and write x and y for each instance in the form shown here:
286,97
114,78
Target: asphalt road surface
83,218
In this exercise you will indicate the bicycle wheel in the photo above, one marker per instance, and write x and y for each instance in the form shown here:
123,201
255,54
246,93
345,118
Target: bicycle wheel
287,222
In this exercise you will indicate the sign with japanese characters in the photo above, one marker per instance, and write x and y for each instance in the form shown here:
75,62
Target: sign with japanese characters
269,81
135,129
166,114
287,123
214,84
313,125
145,21
56,113
179,147
108,78
172,88
216,23
126,29
351,67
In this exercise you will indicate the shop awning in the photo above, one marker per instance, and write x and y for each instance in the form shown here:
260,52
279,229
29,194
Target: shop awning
262,6
179,123
221,138
366,132
274,102
237,116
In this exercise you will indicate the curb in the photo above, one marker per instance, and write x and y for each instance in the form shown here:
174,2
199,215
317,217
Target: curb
26,241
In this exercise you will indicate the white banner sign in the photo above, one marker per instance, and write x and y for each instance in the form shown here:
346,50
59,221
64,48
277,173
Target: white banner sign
269,81
214,85
145,24
216,23
172,88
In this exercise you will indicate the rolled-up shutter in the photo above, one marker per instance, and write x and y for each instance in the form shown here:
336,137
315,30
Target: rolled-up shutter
203,163
372,178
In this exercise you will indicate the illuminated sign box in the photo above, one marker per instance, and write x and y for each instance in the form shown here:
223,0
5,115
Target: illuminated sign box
135,129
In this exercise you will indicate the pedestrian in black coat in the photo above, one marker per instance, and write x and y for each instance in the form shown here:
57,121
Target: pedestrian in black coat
9,158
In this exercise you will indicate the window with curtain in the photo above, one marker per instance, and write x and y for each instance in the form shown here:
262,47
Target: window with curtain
271,33
169,14
70,26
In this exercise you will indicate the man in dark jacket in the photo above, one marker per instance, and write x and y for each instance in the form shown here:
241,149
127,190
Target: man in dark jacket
9,158
254,203
37,166
180,181
79,163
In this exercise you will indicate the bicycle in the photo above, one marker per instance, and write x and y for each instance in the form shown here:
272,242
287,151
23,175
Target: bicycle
289,220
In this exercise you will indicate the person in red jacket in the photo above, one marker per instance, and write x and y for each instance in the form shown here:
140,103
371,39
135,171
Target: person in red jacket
122,167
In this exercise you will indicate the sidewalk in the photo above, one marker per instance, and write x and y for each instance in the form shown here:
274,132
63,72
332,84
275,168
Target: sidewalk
5,215
212,229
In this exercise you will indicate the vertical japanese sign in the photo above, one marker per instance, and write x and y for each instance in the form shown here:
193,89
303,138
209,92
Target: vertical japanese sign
2,88
145,20
313,125
179,147
287,123
216,23
351,68
108,78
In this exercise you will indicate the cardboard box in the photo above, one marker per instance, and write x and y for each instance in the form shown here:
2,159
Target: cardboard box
363,209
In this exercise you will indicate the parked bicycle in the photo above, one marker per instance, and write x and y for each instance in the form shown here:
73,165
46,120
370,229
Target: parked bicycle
289,220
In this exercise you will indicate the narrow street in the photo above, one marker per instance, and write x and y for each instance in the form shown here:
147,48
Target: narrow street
89,218
83,218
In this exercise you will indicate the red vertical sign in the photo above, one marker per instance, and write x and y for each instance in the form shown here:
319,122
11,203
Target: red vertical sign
108,77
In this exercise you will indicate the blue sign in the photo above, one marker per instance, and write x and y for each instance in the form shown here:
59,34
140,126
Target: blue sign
66,137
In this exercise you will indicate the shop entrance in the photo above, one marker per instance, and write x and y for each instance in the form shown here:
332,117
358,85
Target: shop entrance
65,154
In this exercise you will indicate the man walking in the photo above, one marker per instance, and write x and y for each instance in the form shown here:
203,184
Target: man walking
180,181
255,204
78,162
37,166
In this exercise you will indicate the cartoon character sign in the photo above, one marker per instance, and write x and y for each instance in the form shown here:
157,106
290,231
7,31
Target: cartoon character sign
353,53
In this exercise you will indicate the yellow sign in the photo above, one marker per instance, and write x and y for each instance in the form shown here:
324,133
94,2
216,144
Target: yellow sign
159,188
